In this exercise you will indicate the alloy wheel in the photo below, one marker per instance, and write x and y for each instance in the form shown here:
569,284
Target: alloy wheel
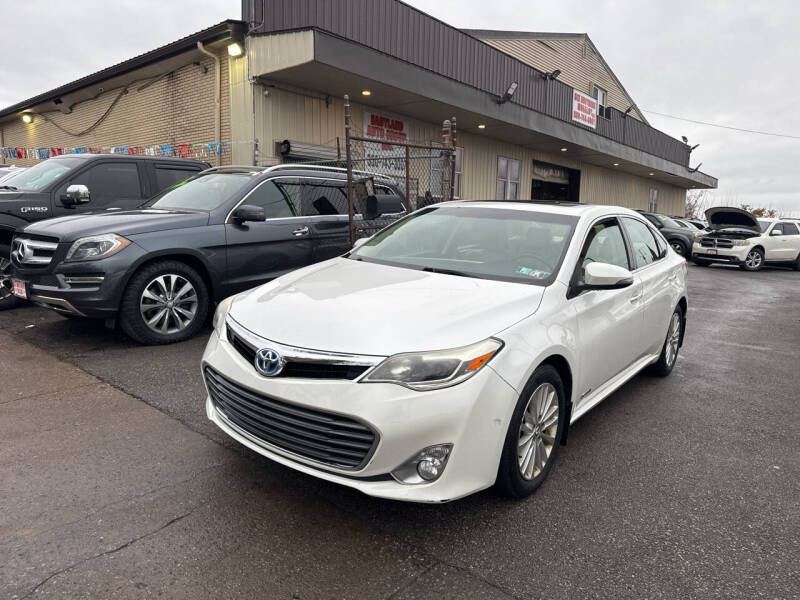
168,304
5,278
537,432
673,339
753,260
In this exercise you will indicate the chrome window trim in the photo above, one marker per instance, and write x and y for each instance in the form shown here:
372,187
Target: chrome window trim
293,353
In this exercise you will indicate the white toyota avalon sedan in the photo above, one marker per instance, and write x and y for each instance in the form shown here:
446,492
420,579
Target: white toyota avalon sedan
451,351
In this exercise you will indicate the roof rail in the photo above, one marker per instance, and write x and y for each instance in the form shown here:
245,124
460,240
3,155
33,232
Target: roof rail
311,167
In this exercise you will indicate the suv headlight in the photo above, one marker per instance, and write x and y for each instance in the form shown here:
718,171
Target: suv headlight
741,242
423,371
96,247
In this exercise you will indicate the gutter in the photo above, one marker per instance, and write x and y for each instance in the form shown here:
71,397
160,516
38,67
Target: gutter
217,100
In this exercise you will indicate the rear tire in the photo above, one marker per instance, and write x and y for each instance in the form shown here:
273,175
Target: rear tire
165,302
7,298
754,260
669,351
797,263
541,402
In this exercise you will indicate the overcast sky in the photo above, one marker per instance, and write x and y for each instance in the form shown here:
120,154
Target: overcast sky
732,62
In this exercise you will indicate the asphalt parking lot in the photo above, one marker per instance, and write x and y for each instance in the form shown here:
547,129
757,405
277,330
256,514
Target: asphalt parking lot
114,484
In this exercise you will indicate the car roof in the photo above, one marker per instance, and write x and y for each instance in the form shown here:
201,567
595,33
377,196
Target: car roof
559,208
301,170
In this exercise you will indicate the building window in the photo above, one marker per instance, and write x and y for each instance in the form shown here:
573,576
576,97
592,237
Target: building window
507,178
653,205
600,95
436,175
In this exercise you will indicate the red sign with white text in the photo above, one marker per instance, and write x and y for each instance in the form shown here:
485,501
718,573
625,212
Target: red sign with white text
584,109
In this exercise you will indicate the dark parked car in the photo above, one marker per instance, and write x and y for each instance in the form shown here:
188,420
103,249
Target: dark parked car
159,269
65,185
680,238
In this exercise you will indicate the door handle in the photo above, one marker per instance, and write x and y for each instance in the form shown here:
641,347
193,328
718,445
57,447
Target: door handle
301,231
637,297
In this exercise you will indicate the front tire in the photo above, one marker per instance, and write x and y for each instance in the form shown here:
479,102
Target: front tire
679,247
533,436
165,302
754,260
669,351
7,298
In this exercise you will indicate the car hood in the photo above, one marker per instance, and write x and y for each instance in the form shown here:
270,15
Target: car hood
356,307
722,217
121,222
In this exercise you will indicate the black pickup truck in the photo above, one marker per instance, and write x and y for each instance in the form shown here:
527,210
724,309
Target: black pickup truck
63,185
158,270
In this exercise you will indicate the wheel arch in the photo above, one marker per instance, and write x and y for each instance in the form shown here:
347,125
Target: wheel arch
188,258
684,308
562,366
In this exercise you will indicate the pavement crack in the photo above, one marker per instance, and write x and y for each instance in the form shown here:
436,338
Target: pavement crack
50,393
149,534
410,581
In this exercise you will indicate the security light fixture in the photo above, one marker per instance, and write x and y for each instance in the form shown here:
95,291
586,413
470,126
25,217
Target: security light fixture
509,93
235,49
685,139
366,93
627,112
27,118
552,74
693,147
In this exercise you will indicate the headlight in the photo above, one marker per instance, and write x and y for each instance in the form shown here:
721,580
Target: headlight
741,242
96,247
434,370
222,311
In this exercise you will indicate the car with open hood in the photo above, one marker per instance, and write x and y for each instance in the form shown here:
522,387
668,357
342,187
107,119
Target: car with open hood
737,237
158,270
450,351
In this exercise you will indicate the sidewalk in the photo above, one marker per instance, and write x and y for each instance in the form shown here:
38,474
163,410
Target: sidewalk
103,495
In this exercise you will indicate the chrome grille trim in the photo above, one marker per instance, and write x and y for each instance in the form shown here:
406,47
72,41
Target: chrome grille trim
26,251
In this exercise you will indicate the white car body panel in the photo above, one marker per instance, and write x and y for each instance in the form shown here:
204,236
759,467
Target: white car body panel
604,336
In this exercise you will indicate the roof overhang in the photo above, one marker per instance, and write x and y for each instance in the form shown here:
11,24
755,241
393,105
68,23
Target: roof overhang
150,65
332,65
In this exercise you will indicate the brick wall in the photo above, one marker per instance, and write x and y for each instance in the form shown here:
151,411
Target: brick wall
177,109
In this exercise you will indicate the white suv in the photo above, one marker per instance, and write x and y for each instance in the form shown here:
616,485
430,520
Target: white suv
738,237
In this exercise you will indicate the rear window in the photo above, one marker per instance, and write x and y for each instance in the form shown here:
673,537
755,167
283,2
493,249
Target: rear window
168,176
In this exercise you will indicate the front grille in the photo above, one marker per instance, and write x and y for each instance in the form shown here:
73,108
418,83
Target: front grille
29,252
707,242
299,369
316,435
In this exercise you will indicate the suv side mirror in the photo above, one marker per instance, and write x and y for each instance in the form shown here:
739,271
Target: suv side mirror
603,276
776,232
249,212
383,204
76,194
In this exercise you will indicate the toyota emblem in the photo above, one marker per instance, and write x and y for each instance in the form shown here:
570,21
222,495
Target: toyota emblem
268,362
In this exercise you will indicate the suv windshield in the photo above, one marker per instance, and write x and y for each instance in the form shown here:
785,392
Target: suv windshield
202,192
503,244
40,176
668,222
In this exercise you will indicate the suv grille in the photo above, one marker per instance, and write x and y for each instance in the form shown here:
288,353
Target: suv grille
708,242
296,368
31,252
319,436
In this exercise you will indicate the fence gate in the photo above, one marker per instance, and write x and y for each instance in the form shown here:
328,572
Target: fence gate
425,173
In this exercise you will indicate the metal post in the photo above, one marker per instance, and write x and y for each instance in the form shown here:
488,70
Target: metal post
446,130
412,202
349,158
453,159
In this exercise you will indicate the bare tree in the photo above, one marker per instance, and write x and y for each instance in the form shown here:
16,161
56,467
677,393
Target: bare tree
697,201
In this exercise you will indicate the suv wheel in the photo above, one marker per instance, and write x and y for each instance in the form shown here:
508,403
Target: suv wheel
532,440
754,260
679,247
164,302
7,297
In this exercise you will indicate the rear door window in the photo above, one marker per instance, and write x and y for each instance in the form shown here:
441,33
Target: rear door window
788,228
643,243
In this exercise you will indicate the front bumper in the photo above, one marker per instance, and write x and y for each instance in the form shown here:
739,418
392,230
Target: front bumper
473,416
87,289
735,255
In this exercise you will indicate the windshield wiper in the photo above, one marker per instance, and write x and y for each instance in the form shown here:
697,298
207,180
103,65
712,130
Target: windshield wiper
449,272
9,187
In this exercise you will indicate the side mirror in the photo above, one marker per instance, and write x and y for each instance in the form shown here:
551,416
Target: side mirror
249,212
776,232
383,204
76,194
603,276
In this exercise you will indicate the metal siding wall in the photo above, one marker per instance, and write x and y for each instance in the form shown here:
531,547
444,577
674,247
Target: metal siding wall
424,41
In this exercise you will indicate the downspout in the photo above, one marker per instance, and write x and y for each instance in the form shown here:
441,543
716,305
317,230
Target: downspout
217,101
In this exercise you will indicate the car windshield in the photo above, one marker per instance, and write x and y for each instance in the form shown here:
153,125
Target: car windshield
668,222
204,192
40,176
487,243
764,224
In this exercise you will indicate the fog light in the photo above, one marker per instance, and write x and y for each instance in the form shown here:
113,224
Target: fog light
428,465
